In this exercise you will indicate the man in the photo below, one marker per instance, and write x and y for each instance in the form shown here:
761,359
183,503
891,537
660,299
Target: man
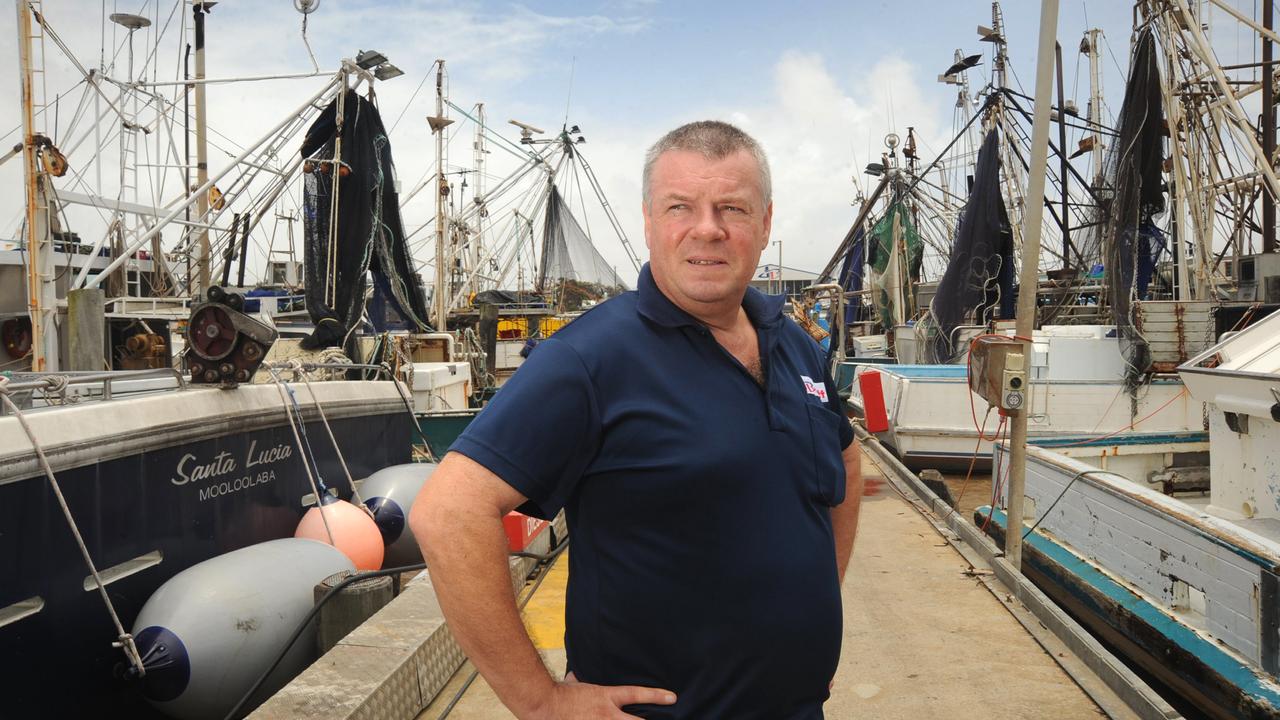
694,438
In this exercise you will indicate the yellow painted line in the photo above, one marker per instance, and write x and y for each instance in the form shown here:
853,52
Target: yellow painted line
544,615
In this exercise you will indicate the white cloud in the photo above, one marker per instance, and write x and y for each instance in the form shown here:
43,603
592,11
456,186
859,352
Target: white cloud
815,129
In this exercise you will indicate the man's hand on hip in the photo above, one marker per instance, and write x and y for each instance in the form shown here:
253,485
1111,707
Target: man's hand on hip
573,700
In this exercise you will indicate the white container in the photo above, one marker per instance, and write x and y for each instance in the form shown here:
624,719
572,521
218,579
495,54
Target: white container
438,386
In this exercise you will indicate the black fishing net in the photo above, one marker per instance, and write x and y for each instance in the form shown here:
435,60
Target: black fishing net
1131,196
369,235
978,280
567,251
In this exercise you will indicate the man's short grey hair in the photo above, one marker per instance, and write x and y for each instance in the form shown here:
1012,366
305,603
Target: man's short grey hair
713,140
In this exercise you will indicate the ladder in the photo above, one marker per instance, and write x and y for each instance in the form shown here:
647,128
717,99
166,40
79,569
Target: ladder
41,271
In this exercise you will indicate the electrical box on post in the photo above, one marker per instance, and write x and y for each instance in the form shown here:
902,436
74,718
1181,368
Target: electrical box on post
998,372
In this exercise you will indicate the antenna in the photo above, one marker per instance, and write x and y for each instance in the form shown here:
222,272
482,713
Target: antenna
569,95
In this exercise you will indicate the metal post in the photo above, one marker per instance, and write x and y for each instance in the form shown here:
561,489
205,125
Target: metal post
782,283
335,175
186,160
482,213
441,292
1030,274
41,295
1062,158
1178,178
202,160
1268,128
1095,104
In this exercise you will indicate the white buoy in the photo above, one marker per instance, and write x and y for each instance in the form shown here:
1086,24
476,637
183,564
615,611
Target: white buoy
207,634
389,495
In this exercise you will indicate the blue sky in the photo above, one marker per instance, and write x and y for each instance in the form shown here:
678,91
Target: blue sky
820,83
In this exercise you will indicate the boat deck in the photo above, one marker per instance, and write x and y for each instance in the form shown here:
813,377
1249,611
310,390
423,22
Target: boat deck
924,637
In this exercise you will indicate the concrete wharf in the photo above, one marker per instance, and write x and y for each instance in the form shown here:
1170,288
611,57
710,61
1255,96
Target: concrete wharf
931,630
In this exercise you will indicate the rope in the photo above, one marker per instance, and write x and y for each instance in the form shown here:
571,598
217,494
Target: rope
297,366
408,405
124,640
303,451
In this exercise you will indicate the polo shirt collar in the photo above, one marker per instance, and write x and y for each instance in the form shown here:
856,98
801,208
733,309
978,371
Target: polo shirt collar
764,311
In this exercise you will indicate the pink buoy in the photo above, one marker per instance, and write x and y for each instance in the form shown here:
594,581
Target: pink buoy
354,532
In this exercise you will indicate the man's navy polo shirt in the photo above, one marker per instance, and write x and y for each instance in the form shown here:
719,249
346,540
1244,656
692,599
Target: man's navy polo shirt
703,560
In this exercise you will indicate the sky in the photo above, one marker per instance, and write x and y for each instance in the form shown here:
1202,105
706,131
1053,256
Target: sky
820,84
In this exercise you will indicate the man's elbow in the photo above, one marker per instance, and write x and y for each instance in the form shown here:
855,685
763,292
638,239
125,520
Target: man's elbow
428,519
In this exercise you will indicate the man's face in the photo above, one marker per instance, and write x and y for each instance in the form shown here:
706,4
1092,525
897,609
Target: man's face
705,224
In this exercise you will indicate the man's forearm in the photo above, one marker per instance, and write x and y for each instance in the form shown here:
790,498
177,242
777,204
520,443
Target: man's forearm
466,555
844,517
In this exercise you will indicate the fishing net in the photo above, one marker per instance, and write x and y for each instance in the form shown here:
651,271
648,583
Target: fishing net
369,235
1123,230
978,280
567,251
850,278
890,280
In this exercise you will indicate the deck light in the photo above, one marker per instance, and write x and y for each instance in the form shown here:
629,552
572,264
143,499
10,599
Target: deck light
370,59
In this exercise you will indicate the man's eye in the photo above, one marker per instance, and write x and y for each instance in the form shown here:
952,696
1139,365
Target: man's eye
678,206
733,209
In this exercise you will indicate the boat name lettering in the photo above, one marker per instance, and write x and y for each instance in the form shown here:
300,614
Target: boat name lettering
268,456
221,464
226,487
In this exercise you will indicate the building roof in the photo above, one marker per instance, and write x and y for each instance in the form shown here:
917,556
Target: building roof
788,273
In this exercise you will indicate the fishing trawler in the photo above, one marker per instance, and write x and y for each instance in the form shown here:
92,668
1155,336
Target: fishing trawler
135,446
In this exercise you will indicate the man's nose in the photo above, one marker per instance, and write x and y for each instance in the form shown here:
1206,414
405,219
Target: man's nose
709,224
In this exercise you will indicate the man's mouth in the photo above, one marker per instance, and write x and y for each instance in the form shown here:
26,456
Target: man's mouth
704,262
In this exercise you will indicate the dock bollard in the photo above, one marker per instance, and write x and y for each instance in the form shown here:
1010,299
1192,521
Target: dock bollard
352,605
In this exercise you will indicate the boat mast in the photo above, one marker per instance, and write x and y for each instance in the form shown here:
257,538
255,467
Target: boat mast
1090,46
41,291
438,123
1030,272
200,9
482,213
128,141
1268,128
1062,160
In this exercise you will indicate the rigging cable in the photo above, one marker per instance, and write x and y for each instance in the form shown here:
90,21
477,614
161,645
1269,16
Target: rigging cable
124,641
304,452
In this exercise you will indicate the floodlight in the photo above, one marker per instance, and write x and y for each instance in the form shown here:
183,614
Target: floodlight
386,71
369,59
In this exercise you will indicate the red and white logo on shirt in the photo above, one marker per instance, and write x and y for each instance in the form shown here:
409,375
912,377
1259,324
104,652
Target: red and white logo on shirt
816,389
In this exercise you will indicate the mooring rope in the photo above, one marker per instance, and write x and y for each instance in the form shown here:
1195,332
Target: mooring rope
296,367
124,640
303,450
